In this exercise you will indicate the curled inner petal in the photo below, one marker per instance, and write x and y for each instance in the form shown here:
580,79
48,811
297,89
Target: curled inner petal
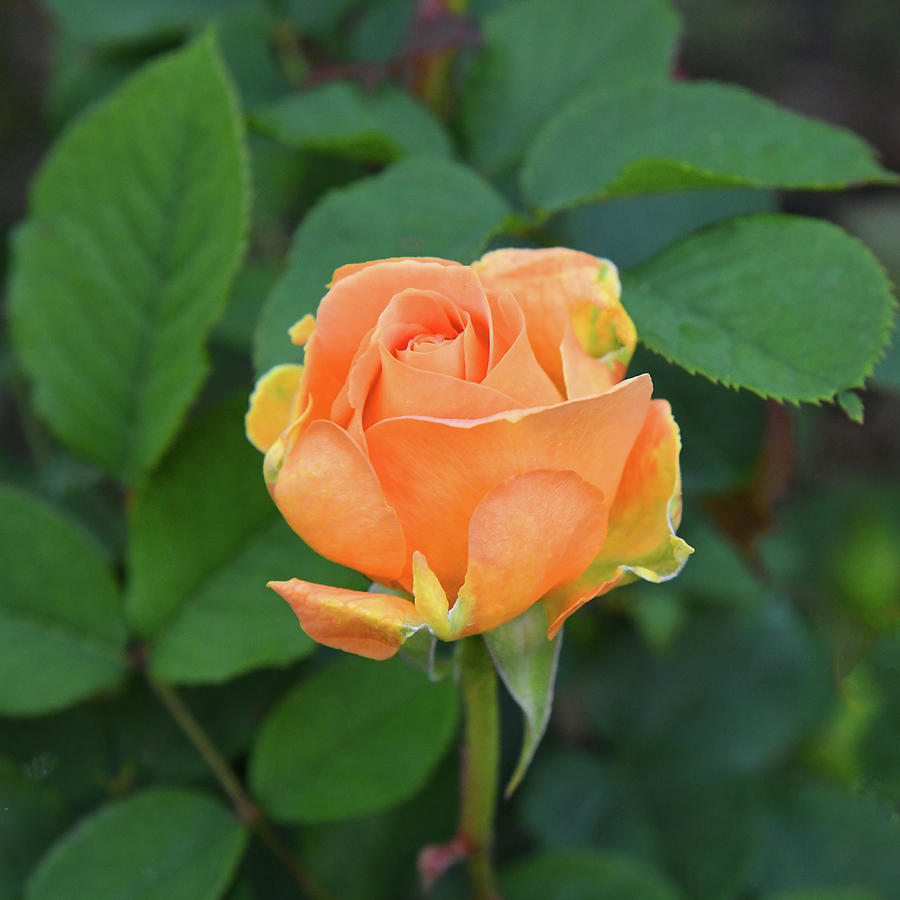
558,289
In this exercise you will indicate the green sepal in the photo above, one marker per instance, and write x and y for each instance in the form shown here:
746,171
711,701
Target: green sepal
526,662
421,650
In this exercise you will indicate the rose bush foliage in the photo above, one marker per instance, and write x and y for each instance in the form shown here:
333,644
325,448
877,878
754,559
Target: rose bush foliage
466,436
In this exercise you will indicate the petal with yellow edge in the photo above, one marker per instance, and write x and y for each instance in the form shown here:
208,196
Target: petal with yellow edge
641,541
557,289
368,624
272,405
529,535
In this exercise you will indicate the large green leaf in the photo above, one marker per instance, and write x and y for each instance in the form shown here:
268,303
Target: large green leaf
135,228
539,53
418,207
584,875
354,738
788,307
163,844
61,631
205,539
668,137
341,117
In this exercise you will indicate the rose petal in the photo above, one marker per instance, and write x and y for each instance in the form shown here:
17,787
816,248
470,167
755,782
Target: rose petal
519,263
517,374
583,374
556,287
329,494
368,624
435,472
302,330
646,510
527,536
272,405
403,390
353,268
355,302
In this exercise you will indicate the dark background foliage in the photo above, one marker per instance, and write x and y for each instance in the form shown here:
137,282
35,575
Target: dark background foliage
733,734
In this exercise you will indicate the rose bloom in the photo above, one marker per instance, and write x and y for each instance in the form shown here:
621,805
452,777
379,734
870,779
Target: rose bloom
463,435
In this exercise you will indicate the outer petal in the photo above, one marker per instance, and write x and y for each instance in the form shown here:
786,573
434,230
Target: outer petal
328,493
530,534
641,542
372,625
272,405
555,288
435,472
353,268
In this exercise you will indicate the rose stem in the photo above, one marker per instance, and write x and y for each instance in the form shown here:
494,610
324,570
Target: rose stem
245,806
480,764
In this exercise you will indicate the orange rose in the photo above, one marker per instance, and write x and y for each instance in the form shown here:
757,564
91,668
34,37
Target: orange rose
463,434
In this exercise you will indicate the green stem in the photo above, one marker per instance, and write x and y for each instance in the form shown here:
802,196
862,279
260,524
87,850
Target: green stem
480,764
245,806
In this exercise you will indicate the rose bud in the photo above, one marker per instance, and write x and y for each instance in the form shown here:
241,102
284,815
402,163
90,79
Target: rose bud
463,435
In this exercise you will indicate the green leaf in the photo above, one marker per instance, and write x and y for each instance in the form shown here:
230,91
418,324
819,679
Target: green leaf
418,207
381,125
162,844
527,662
205,539
129,21
584,875
31,815
787,307
667,137
852,405
61,632
135,228
539,53
354,738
